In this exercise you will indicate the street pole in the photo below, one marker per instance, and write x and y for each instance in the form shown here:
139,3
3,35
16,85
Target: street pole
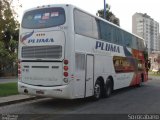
104,9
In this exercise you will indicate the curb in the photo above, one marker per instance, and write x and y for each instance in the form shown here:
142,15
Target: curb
19,100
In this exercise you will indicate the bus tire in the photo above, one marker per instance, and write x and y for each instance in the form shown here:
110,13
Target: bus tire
97,90
108,88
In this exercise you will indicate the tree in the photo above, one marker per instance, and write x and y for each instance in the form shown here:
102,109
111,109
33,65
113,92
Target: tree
109,15
9,28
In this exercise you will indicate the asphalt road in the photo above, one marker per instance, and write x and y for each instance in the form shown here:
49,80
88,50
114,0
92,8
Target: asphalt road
132,100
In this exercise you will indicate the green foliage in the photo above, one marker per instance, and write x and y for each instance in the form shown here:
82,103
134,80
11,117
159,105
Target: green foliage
9,32
7,89
109,15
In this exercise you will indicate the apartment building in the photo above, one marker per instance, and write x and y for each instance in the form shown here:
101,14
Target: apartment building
146,27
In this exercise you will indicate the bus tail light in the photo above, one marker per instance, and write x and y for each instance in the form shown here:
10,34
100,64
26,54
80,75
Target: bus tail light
65,69
65,62
65,74
19,69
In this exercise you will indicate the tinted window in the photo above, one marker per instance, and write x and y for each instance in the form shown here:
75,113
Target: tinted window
134,42
85,24
127,39
105,31
117,36
141,44
43,18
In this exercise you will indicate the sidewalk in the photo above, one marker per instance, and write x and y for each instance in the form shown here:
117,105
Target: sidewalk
16,99
8,79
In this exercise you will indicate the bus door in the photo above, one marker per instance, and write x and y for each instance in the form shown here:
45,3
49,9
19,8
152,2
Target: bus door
89,75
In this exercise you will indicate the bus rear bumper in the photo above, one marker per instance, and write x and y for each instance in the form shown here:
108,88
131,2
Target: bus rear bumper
53,92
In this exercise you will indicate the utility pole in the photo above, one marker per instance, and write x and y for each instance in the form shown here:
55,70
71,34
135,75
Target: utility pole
104,9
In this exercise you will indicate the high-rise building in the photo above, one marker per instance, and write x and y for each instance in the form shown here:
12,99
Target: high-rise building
146,27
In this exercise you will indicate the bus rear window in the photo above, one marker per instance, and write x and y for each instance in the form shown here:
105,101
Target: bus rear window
43,18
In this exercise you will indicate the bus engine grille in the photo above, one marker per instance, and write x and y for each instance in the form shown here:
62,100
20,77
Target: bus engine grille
54,51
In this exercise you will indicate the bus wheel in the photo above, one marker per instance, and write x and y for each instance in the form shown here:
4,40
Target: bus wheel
108,88
97,90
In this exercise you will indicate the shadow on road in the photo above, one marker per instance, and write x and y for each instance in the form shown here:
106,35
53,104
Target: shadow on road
76,103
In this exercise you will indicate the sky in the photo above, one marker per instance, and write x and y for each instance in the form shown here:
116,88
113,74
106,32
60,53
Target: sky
123,9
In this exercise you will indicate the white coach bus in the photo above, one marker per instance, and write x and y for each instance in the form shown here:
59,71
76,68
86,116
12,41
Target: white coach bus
65,52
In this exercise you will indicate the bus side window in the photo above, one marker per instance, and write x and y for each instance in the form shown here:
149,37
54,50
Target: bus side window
134,42
85,24
95,28
105,31
80,62
114,35
127,39
119,36
141,44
